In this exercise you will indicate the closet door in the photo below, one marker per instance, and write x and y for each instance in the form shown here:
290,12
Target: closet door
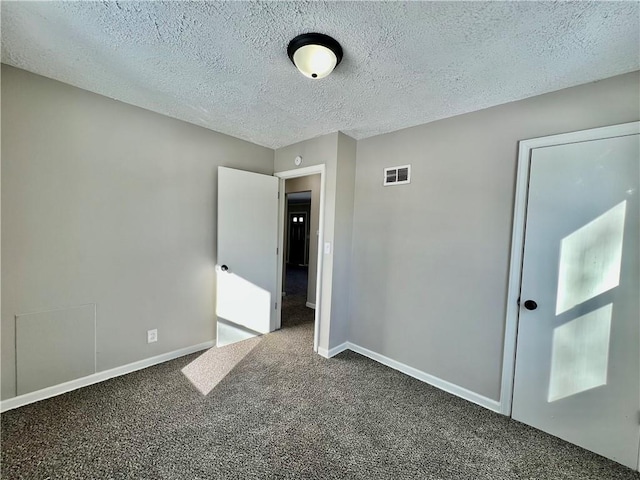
578,357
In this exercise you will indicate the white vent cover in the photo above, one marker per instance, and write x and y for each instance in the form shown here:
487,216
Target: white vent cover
397,175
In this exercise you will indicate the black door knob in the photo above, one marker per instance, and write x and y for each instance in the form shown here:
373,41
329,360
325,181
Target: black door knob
224,268
530,305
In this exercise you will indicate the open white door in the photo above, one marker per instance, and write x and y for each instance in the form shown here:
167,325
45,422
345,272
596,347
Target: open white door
246,271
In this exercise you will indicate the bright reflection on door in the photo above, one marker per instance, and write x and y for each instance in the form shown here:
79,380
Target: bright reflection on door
590,259
243,303
206,371
580,354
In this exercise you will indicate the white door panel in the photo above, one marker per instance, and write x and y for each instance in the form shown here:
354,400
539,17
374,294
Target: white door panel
578,357
247,260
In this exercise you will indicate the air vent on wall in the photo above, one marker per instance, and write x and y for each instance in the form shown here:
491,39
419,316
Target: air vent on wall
397,175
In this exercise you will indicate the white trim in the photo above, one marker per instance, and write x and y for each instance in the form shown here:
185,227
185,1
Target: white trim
427,378
300,172
322,319
333,351
622,130
280,293
49,392
311,305
95,343
517,239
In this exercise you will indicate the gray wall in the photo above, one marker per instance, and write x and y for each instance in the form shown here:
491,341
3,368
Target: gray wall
333,150
106,203
303,184
430,259
345,186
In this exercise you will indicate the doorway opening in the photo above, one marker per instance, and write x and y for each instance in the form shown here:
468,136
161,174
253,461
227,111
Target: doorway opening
301,230
300,263
297,235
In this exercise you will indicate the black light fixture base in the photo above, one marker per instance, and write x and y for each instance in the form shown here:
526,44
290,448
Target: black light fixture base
315,39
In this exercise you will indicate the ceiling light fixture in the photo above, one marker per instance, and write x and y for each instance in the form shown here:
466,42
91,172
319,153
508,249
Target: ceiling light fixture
315,54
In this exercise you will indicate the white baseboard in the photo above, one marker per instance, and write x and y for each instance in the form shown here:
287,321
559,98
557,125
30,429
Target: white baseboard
49,392
311,305
333,351
425,377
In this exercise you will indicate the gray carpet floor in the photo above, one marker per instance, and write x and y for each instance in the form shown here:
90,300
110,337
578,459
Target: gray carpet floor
280,412
296,278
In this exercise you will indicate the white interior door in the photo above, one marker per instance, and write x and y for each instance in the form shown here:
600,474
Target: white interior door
246,271
578,358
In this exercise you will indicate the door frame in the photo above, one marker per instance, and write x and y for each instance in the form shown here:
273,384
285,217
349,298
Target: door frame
525,148
322,318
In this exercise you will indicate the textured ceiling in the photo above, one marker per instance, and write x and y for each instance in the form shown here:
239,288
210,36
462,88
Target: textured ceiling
224,66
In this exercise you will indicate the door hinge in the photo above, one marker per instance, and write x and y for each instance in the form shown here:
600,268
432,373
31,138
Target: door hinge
276,306
277,251
278,195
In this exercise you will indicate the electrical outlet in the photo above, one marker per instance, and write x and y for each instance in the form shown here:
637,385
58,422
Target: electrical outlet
152,335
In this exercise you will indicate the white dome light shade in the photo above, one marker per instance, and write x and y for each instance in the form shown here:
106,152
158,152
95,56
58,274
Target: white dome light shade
315,54
315,61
